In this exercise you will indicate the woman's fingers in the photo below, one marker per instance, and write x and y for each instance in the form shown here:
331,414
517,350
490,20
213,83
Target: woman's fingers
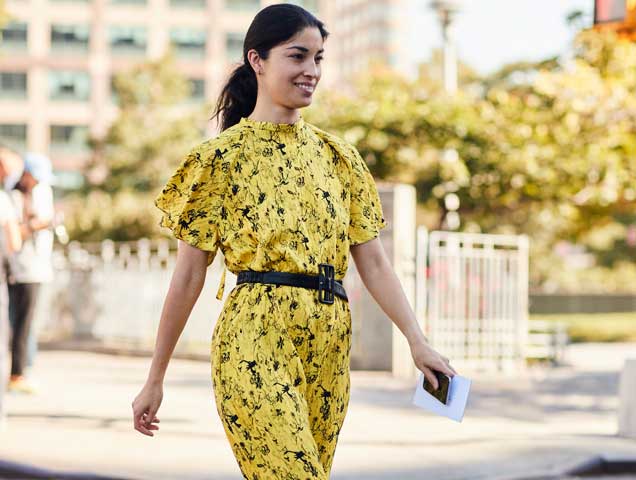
140,426
447,368
430,377
141,423
146,417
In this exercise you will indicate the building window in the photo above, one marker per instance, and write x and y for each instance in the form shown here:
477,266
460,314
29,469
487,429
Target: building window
69,38
188,43
13,36
13,135
69,85
234,47
197,88
311,5
128,40
69,138
128,2
13,84
242,5
198,4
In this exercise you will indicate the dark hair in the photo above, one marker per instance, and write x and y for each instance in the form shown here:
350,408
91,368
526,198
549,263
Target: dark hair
271,26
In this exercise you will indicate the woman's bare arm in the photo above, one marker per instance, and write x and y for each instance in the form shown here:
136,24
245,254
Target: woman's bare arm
185,287
383,284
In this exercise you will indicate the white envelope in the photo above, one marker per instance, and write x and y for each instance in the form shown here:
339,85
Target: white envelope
458,396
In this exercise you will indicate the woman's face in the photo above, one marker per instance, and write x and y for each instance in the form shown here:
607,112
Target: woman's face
291,73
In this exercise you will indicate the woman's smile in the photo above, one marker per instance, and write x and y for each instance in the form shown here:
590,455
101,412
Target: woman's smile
305,87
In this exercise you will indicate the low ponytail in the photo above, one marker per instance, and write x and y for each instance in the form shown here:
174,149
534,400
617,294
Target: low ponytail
238,97
271,26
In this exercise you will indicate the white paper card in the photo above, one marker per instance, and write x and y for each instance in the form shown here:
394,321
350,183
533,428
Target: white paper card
458,396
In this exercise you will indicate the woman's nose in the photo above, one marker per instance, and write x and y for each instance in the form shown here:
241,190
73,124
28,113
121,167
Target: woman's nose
312,70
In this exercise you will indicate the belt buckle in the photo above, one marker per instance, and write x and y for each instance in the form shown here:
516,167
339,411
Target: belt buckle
326,275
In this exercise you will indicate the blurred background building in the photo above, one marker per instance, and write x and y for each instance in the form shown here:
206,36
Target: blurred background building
616,15
58,58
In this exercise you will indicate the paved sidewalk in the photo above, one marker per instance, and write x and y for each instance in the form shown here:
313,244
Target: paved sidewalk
541,423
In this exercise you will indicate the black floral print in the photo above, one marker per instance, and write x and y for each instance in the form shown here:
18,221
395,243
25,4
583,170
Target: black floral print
282,197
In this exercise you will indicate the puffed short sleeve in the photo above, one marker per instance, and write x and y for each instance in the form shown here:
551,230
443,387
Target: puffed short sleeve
366,218
191,201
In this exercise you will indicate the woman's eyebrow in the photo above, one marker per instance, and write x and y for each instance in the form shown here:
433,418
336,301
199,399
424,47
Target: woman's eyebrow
303,49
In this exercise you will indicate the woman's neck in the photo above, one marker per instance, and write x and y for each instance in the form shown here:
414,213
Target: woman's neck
274,114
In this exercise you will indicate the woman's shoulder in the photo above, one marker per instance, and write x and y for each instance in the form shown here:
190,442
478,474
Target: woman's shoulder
220,148
336,143
327,137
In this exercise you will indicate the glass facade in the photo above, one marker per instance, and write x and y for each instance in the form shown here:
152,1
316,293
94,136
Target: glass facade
188,42
13,85
195,4
128,2
128,40
13,36
14,135
234,47
242,5
69,85
68,138
311,5
70,38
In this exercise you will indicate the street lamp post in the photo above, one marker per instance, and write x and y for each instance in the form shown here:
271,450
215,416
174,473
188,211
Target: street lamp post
447,11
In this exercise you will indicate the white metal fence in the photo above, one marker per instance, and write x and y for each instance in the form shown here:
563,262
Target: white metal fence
110,295
473,295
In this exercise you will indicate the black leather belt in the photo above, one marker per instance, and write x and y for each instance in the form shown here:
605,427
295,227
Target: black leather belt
324,282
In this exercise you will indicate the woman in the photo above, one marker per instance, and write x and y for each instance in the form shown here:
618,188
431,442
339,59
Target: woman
278,195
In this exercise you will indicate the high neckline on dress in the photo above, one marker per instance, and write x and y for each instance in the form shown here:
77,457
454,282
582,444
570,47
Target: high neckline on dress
274,127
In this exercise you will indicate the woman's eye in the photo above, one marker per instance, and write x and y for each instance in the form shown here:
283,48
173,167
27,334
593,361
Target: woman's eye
319,59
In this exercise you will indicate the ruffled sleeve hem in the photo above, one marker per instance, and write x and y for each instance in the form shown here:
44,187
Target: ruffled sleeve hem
366,217
191,202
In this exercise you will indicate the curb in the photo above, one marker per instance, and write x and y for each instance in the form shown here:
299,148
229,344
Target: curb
593,466
93,346
14,470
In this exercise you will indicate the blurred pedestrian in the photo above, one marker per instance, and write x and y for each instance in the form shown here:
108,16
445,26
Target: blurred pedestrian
10,241
31,266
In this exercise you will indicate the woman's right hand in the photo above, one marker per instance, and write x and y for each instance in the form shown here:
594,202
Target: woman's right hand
145,407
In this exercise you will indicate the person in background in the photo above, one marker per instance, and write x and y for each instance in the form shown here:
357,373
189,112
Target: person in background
31,266
10,241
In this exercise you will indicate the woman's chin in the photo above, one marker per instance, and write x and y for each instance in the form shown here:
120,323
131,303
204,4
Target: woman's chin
303,104
306,101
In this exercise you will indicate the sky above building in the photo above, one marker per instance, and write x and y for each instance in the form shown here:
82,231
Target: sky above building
492,33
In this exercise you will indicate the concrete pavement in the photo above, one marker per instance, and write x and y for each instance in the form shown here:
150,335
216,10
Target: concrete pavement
540,423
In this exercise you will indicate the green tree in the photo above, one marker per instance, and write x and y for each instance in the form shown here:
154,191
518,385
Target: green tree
155,128
543,149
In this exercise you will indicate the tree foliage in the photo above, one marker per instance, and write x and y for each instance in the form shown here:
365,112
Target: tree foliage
155,127
546,149
543,149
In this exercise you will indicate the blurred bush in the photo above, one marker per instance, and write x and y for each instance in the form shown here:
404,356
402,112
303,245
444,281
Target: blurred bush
546,149
155,128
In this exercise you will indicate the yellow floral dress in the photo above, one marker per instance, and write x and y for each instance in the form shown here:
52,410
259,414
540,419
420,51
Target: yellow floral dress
282,197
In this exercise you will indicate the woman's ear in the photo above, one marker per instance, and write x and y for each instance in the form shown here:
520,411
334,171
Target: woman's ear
255,61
